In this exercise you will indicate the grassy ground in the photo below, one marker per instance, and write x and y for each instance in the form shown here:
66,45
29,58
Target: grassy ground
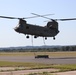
22,64
61,68
55,54
44,73
65,67
69,67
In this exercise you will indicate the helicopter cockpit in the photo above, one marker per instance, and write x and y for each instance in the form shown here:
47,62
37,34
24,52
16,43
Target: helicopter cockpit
20,25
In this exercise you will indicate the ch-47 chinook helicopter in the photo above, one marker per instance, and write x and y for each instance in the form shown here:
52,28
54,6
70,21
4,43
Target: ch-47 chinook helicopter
50,30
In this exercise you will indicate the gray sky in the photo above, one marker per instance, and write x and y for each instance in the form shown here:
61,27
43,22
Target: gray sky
24,8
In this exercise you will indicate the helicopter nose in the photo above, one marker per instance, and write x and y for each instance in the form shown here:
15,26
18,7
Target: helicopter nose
17,29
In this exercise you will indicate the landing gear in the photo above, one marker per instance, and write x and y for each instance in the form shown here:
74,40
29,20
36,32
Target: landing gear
35,36
27,36
45,38
53,38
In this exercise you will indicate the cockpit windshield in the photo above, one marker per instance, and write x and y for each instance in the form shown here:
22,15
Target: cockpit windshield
21,23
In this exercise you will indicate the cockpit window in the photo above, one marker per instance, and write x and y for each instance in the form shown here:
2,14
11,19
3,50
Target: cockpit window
18,25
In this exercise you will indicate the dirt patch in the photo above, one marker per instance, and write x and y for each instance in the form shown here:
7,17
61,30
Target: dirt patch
9,71
11,68
66,73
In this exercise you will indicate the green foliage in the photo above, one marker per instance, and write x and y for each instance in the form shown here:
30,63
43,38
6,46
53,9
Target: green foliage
44,73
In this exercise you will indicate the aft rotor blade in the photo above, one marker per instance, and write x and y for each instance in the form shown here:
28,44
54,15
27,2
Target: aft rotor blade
37,16
41,16
66,19
24,17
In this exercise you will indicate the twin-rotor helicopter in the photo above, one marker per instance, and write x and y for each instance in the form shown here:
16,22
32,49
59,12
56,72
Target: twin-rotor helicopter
50,30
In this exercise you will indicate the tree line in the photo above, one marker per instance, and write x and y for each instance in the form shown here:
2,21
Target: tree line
53,49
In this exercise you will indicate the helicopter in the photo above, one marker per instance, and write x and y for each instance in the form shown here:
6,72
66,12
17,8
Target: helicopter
50,30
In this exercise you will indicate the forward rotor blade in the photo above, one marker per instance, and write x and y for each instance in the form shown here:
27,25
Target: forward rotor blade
24,17
66,19
9,17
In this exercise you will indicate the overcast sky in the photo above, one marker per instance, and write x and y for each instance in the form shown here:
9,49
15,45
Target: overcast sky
24,8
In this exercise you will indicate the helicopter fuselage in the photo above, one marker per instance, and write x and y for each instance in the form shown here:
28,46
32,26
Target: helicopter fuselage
35,30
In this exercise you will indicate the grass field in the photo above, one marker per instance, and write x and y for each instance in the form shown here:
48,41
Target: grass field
55,54
37,65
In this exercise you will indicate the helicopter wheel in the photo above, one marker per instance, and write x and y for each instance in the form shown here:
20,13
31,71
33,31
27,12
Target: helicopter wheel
35,36
53,38
27,37
45,38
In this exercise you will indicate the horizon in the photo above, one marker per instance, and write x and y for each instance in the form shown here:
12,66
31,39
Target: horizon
37,46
